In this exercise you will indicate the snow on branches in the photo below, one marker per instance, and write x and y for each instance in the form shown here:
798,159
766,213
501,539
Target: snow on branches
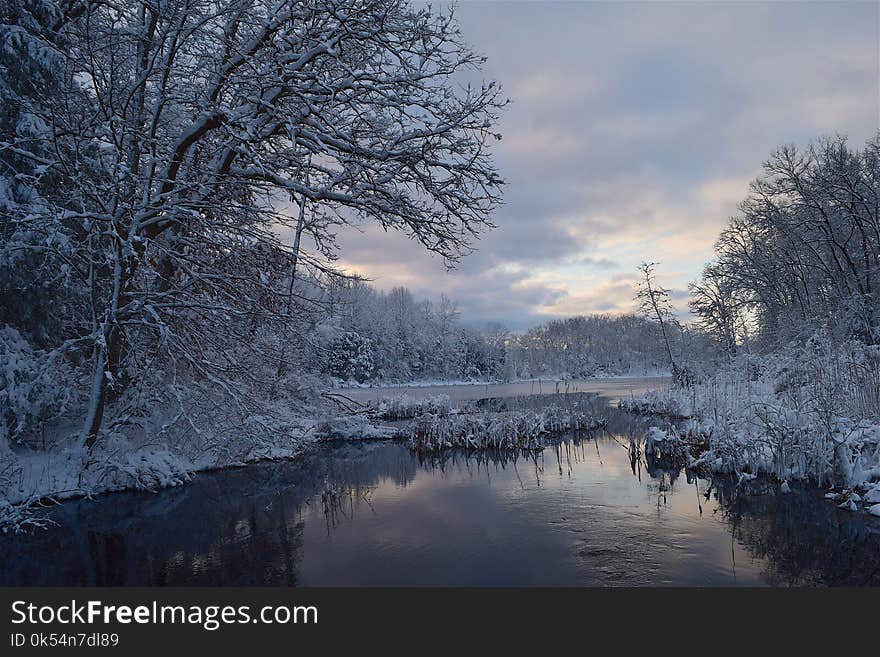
176,138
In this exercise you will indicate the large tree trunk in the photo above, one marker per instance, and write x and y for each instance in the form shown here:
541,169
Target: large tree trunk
116,353
108,380
300,225
98,398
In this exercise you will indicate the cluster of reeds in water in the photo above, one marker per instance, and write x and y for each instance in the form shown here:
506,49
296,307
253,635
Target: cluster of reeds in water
655,403
405,407
519,430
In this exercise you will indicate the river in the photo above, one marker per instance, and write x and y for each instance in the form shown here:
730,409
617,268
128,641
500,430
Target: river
581,513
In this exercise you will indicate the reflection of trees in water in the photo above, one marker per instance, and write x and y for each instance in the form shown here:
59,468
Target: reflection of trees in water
628,430
258,542
476,462
339,502
561,455
247,526
235,527
802,538
525,464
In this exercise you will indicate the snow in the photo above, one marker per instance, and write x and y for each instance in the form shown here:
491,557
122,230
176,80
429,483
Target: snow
802,418
162,451
404,406
527,430
354,428
657,439
655,402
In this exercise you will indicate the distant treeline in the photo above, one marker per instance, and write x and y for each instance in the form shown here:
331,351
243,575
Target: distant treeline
369,335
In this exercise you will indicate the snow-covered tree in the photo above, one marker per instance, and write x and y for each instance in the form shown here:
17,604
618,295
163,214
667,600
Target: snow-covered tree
184,130
804,251
36,245
718,309
587,345
351,357
655,304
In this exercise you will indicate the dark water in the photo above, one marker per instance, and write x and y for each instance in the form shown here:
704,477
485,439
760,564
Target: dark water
374,514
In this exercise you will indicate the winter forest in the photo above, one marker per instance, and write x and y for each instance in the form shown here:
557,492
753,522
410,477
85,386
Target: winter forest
174,178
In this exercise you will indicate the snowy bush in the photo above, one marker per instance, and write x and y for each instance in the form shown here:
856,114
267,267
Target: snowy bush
812,412
148,469
658,440
352,427
405,407
656,403
513,430
351,357
33,388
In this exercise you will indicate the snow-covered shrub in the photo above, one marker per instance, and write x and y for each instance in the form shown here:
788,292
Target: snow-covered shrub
351,357
673,448
658,441
512,430
33,388
809,411
405,407
352,427
656,402
148,468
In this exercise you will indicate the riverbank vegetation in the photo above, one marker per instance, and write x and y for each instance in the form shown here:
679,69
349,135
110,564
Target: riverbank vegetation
516,430
790,303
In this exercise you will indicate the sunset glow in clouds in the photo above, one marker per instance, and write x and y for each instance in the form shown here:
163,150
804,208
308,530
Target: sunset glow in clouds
633,133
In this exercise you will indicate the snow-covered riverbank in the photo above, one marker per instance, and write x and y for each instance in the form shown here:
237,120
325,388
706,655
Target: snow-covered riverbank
149,456
798,419
149,460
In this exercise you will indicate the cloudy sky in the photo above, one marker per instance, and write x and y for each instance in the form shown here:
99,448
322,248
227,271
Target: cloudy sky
633,133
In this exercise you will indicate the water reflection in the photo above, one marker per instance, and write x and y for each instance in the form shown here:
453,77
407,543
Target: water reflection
801,538
588,511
